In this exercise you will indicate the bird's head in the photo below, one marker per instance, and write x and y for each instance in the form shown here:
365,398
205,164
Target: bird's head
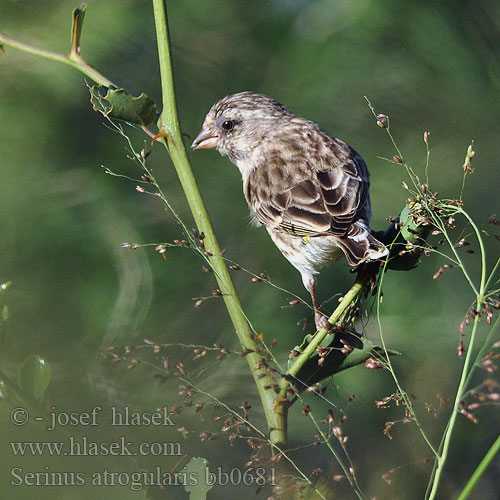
238,123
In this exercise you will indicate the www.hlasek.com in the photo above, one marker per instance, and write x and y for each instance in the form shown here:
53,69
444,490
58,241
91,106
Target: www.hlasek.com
83,447
139,480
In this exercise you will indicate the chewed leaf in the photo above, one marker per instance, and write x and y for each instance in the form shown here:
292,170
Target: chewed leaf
342,351
198,484
34,376
120,105
360,356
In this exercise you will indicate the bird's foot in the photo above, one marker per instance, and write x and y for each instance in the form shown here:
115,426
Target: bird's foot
321,321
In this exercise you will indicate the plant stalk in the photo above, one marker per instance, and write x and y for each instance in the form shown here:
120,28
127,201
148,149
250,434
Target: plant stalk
169,123
346,302
466,369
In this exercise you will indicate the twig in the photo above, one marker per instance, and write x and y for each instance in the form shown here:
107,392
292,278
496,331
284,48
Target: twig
73,58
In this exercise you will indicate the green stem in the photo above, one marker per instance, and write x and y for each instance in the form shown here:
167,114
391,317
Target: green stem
404,395
480,470
349,474
287,457
482,286
72,59
346,302
485,347
480,297
491,277
439,224
169,123
445,445
282,403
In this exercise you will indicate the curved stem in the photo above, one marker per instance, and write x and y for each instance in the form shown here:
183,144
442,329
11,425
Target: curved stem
72,59
466,370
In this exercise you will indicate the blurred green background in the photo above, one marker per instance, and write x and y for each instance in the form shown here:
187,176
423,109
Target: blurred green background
430,65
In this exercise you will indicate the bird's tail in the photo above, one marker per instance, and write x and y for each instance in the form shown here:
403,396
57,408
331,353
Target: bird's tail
359,245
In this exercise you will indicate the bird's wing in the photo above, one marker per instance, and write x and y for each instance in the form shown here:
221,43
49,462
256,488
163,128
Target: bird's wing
311,195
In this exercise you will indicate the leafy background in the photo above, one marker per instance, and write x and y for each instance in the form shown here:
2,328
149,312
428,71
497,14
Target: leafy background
428,65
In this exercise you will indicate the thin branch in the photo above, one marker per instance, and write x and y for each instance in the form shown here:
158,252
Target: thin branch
72,59
348,299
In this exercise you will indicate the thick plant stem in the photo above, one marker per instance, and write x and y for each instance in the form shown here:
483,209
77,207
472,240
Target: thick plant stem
169,125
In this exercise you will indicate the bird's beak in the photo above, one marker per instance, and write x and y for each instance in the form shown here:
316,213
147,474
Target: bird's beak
205,140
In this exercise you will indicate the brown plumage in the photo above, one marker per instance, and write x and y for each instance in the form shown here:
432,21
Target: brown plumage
309,190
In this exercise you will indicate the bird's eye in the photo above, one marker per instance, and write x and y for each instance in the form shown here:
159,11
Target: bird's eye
228,125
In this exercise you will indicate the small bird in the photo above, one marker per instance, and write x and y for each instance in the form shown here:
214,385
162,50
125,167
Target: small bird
309,190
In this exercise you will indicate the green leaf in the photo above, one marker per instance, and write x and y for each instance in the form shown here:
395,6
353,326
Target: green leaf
397,240
197,468
410,230
335,361
34,376
119,105
359,356
77,26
